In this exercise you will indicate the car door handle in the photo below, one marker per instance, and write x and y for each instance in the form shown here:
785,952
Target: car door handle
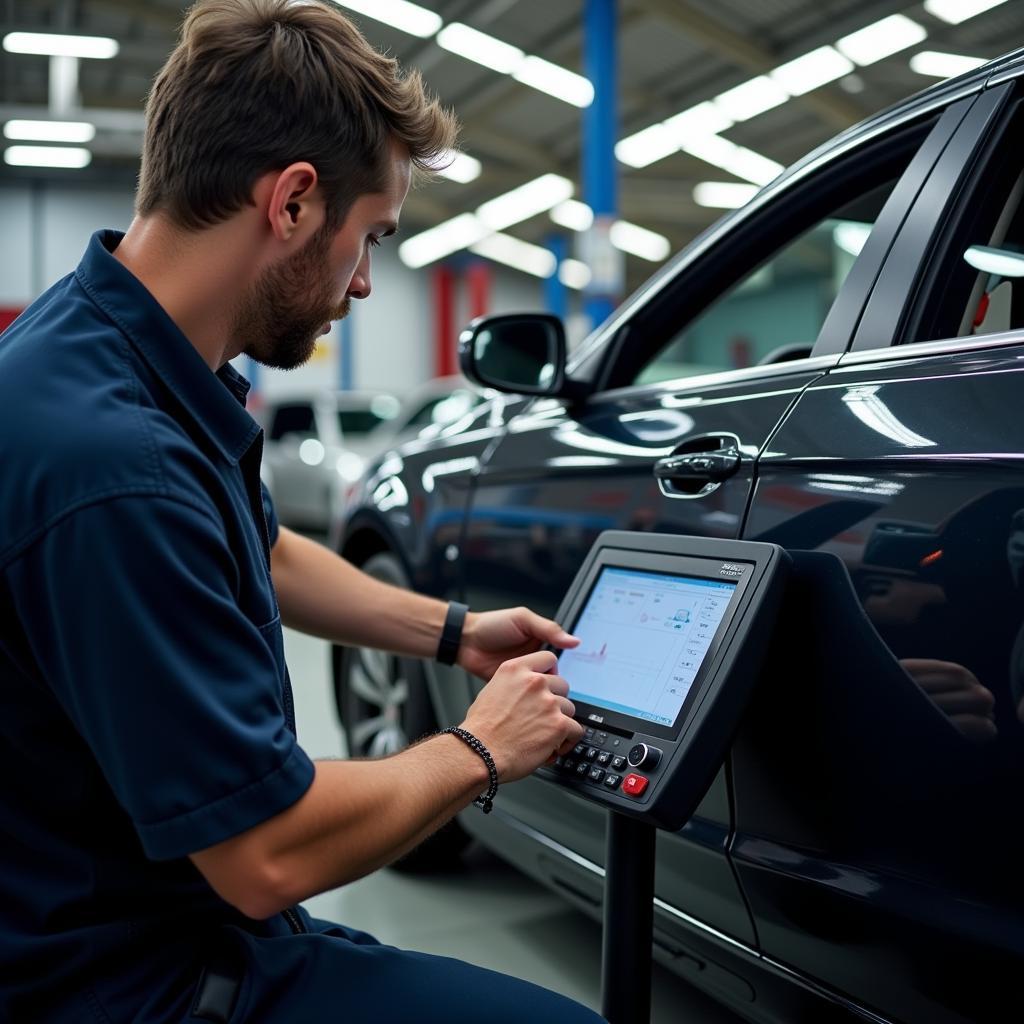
708,467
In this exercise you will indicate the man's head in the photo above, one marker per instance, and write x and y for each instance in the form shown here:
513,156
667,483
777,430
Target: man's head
282,108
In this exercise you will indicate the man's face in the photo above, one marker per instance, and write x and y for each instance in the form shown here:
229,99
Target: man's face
293,302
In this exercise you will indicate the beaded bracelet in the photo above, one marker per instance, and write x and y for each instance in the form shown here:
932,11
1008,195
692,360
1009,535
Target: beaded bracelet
484,801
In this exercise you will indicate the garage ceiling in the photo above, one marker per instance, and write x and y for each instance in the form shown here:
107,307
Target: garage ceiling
673,54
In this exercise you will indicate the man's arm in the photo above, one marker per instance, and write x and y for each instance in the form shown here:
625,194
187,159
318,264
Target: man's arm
360,815
322,594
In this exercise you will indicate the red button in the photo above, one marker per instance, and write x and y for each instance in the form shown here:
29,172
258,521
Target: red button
634,784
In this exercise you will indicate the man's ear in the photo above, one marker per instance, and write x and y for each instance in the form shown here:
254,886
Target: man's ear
294,207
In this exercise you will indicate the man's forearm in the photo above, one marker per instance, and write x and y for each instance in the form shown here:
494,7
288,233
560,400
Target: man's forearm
356,817
322,594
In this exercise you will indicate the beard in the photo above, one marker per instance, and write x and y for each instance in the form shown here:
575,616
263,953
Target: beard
282,314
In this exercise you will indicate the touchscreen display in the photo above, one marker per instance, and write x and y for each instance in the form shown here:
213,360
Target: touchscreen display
643,637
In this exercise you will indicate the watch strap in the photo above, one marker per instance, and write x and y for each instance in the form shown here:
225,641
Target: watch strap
451,633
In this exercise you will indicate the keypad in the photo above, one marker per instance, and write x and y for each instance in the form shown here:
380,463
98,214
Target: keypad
597,761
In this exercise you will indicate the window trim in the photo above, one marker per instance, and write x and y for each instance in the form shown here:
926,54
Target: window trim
941,347
903,284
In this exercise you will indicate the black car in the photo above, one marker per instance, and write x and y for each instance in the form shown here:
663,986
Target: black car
840,366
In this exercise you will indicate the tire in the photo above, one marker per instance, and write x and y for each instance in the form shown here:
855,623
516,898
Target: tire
384,705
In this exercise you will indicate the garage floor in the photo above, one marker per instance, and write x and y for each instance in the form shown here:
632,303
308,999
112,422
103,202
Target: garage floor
486,913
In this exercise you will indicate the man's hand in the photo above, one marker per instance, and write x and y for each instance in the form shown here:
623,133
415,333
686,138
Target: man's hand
491,638
523,715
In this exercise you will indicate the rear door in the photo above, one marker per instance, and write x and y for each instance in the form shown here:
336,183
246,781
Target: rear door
880,829
700,370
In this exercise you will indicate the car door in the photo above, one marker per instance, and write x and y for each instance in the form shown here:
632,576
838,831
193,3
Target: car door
879,836
668,440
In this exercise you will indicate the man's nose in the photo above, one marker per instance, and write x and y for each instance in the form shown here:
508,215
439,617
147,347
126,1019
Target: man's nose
360,287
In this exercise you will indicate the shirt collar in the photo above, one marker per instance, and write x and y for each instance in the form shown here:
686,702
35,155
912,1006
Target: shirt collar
215,401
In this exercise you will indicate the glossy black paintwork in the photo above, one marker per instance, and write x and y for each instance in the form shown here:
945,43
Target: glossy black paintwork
908,830
860,854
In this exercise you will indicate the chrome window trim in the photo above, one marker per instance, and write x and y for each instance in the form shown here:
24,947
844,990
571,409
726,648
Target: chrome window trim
921,349
722,377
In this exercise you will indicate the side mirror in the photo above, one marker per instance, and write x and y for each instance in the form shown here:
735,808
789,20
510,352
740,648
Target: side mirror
522,353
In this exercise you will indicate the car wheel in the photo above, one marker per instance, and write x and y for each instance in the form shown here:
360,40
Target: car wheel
383,706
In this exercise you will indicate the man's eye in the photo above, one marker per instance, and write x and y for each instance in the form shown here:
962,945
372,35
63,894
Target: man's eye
373,240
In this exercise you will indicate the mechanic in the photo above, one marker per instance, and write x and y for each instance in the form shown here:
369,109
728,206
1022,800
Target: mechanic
158,820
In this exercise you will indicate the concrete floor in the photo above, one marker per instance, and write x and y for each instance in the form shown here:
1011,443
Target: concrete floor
484,912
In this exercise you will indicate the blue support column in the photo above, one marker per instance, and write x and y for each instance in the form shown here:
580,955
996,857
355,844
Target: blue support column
556,297
600,169
346,356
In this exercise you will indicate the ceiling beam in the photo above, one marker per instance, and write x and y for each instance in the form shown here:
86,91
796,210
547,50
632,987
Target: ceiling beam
742,52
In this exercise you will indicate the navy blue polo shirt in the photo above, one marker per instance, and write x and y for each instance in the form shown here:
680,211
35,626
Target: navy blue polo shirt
145,708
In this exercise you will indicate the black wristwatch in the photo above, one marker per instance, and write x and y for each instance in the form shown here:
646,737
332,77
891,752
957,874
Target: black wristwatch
451,634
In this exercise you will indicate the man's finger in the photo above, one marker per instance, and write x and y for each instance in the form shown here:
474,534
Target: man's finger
538,661
551,632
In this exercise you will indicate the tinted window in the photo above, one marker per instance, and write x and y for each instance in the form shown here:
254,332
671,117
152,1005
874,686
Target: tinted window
358,421
777,309
295,418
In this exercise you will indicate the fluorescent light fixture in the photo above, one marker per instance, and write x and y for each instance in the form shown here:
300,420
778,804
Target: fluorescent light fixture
479,47
881,39
400,14
574,274
555,81
47,156
723,195
632,238
812,70
458,167
956,11
751,98
526,201
851,236
706,118
738,160
524,256
441,240
995,261
47,44
943,65
647,146
50,131
572,214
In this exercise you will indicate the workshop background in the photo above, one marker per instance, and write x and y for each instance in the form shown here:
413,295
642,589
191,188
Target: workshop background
598,139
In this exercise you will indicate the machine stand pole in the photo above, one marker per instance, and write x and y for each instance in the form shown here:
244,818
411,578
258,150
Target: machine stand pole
628,921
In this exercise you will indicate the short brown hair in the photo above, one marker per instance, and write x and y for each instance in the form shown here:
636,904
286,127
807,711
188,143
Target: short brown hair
254,85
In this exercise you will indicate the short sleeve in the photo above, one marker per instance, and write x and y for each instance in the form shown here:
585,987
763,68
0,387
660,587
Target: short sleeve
129,608
268,511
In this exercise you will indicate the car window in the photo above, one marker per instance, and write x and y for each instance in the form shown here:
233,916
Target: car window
293,418
775,311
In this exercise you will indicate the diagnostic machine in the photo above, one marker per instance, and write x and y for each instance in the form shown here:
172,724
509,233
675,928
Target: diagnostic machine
672,631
